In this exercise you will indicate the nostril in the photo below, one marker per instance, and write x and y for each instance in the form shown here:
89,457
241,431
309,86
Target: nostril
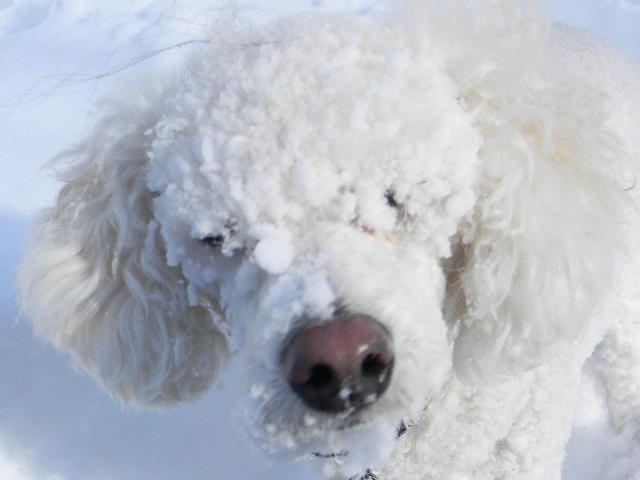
321,376
375,365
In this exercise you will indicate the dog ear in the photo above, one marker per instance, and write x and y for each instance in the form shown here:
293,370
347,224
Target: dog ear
96,282
537,258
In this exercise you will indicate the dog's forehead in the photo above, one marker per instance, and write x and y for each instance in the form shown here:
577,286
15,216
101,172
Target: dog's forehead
320,122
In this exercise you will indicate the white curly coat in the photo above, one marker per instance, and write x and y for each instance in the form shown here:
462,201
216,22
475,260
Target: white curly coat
509,250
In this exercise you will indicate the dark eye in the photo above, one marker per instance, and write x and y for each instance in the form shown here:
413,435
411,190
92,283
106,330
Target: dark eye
401,215
213,241
224,240
389,195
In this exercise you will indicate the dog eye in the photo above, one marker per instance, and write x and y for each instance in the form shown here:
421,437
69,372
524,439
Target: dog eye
226,240
389,195
213,241
401,212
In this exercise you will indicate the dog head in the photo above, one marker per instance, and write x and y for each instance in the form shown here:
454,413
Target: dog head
338,211
310,202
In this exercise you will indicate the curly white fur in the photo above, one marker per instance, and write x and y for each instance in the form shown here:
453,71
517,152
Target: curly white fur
500,253
103,288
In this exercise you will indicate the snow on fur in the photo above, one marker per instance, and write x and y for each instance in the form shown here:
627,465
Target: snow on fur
441,173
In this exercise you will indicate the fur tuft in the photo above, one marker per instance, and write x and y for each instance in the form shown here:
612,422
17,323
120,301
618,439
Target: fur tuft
97,282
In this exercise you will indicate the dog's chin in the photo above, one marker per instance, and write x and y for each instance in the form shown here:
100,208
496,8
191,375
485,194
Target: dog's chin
400,430
361,445
286,430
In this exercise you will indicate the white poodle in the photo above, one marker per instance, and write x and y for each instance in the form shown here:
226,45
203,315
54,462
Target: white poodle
408,234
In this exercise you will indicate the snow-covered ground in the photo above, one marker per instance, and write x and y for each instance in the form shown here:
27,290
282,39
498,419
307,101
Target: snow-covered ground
56,58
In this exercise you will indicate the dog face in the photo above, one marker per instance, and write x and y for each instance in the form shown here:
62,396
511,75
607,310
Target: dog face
307,181
287,205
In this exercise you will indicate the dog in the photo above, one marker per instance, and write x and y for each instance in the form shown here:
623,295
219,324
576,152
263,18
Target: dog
405,234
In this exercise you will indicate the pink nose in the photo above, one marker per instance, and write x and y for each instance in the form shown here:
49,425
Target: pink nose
341,365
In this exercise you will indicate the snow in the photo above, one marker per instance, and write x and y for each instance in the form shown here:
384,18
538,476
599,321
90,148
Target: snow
274,255
54,423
